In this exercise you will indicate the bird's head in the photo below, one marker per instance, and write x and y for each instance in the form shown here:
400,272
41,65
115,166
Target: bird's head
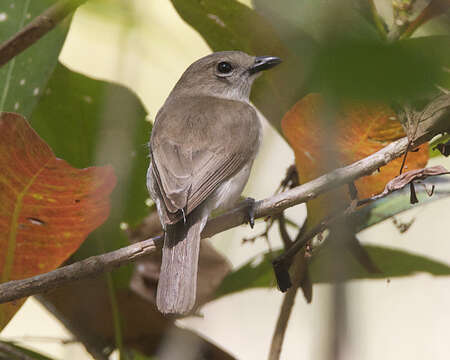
226,74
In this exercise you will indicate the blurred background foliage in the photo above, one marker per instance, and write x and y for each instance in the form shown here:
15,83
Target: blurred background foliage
343,49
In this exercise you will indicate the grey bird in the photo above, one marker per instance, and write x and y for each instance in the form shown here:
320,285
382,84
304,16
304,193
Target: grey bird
202,146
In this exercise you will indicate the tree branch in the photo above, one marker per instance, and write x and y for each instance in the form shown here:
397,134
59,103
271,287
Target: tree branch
36,29
435,120
91,266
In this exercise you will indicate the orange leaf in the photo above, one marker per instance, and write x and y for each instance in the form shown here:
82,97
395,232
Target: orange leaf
47,207
360,130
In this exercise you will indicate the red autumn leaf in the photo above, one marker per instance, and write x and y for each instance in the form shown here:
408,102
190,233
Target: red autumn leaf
360,130
47,207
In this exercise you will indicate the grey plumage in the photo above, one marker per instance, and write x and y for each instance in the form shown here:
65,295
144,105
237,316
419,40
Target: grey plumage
203,144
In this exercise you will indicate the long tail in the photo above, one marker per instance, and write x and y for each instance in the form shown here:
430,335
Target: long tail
177,286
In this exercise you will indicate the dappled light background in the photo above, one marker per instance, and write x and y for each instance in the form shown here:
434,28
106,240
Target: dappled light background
146,46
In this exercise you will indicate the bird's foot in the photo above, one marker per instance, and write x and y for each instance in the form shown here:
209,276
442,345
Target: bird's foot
250,203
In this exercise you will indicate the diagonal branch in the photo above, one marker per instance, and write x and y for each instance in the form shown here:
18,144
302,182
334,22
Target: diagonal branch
432,124
91,266
36,29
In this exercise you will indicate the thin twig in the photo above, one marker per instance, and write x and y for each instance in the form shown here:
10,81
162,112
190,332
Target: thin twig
106,262
282,263
287,241
285,313
405,155
299,272
300,268
36,29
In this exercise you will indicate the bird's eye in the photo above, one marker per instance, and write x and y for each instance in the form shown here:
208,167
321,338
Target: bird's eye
224,67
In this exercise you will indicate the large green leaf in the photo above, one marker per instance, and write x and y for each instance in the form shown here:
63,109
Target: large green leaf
88,122
258,272
23,79
349,57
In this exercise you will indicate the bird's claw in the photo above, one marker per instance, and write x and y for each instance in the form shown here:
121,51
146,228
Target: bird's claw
250,211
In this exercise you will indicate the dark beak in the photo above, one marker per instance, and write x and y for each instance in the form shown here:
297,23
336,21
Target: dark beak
264,63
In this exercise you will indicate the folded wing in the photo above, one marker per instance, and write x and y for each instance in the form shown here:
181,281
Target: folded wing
194,154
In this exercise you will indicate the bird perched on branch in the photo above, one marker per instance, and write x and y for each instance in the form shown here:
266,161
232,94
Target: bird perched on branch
202,147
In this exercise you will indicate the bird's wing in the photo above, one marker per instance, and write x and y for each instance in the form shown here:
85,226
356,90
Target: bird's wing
195,146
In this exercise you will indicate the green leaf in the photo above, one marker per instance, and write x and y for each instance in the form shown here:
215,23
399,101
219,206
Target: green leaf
349,57
30,353
23,79
223,24
392,263
319,19
256,273
88,122
407,69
